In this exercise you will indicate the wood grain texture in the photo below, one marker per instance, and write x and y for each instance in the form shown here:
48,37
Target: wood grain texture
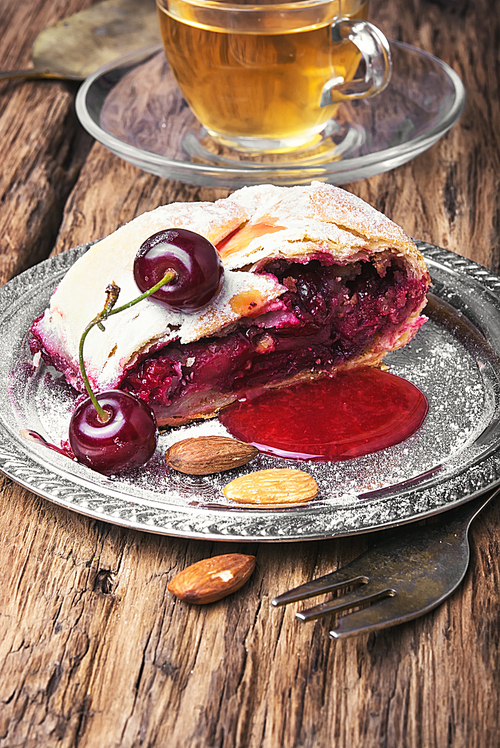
94,651
43,148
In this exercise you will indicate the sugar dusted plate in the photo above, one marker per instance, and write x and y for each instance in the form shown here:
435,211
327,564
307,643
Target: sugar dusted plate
135,109
453,457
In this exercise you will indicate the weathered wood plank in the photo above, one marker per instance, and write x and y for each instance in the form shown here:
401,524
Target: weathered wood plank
93,648
104,649
43,146
447,195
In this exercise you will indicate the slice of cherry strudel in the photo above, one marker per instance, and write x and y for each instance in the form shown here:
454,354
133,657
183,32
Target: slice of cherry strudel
315,280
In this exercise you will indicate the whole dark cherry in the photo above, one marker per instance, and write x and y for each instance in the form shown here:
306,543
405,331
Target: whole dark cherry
195,261
126,440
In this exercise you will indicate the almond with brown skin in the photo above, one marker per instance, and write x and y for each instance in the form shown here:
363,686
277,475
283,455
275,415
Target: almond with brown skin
275,486
204,455
212,578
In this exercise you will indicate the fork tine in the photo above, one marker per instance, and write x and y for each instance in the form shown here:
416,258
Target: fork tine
384,613
341,578
360,596
397,608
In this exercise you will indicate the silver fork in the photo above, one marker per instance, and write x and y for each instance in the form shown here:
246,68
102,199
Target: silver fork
398,579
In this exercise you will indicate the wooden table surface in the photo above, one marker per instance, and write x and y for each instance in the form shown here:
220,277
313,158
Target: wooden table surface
94,651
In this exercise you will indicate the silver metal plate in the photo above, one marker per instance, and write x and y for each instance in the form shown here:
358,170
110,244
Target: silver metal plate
453,457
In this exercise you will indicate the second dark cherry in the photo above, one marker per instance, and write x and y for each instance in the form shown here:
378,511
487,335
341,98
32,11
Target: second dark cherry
126,440
195,261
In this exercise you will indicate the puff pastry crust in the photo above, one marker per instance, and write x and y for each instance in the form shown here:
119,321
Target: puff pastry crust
270,238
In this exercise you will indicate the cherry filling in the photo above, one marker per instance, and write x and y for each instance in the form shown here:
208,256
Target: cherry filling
328,316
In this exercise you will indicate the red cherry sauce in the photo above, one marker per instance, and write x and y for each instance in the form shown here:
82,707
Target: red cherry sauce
350,415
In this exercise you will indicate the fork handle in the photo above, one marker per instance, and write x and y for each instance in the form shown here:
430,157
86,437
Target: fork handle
465,514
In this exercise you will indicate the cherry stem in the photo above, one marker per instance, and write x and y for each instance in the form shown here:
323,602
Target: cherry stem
112,292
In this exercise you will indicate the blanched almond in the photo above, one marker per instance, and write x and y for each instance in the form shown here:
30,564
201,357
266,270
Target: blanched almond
275,486
204,455
212,578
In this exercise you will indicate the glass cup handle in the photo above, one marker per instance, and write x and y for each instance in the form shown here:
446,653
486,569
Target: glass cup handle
376,54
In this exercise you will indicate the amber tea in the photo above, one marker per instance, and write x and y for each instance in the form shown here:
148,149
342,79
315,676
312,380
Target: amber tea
256,79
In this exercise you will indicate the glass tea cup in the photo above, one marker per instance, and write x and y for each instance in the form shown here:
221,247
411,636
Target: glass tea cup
268,76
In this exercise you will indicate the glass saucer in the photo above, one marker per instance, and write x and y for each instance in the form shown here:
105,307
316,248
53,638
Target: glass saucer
134,108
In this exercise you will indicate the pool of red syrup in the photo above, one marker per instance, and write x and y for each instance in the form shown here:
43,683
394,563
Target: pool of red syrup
349,415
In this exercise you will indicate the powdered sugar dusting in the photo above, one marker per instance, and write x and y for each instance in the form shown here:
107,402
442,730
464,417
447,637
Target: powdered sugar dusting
322,202
319,217
434,362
